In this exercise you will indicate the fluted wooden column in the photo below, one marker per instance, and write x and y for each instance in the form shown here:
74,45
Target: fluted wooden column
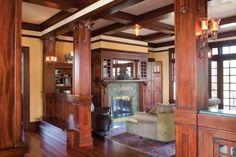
10,79
191,75
82,79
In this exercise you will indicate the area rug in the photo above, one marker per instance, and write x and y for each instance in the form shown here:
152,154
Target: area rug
151,147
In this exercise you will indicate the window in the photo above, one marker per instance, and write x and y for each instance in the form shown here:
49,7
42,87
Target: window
172,76
214,79
222,74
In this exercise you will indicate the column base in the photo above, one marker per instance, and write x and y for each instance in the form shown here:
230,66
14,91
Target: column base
15,152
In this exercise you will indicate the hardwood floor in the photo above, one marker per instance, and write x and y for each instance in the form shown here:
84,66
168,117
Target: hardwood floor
41,146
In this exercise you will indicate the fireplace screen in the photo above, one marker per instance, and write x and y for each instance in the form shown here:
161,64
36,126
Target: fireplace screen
122,106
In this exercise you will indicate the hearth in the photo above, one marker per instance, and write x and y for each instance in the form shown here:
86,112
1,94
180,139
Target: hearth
122,106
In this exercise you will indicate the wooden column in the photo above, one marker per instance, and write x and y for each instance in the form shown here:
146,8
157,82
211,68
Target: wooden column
49,103
49,44
10,79
82,79
191,74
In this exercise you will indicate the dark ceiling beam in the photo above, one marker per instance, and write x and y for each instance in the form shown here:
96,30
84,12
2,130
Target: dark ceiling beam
226,34
56,4
54,19
115,7
228,20
160,27
70,34
164,44
109,29
156,36
121,17
65,5
31,27
128,36
146,20
157,14
221,35
103,11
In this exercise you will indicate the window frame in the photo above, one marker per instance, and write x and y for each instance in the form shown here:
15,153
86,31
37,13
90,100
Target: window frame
220,58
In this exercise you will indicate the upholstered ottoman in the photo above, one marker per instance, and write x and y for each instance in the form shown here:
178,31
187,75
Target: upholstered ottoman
131,125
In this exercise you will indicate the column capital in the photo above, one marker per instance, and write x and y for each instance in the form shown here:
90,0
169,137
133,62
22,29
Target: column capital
49,39
84,24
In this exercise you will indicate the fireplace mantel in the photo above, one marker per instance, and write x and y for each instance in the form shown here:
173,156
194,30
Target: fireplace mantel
123,81
106,71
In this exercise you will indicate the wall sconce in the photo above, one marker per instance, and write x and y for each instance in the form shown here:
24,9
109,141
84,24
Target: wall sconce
137,28
207,24
51,59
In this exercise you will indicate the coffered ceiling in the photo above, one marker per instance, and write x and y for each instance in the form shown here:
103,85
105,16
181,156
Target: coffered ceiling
117,18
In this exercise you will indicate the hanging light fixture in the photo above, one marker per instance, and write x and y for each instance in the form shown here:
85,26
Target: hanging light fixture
137,28
207,24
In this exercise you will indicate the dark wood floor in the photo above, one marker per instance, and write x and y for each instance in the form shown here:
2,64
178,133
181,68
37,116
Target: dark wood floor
41,146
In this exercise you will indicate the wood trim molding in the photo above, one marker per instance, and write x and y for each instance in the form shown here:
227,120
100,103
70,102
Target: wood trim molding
217,122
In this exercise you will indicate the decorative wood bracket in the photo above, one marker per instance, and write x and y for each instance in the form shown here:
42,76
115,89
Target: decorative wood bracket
185,8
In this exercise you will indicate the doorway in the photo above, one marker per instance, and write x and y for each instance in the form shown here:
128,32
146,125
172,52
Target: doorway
25,89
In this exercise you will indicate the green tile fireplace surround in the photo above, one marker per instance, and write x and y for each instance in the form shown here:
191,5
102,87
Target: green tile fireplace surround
128,89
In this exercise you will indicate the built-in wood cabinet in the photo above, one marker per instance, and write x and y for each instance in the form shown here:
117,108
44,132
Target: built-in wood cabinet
58,78
110,66
63,78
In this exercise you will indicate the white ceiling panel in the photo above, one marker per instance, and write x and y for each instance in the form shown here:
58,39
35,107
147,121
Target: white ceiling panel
102,23
36,14
146,6
163,40
143,31
170,21
221,8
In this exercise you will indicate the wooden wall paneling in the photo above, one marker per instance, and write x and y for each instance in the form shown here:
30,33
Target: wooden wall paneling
50,105
186,140
96,77
191,73
61,106
213,129
82,80
10,79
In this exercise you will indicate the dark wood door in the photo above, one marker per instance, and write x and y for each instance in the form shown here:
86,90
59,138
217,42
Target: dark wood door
154,84
157,82
25,90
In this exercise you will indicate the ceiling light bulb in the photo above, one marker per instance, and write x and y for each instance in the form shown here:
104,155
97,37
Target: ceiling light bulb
137,29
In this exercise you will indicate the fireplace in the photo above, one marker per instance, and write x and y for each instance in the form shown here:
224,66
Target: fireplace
122,106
